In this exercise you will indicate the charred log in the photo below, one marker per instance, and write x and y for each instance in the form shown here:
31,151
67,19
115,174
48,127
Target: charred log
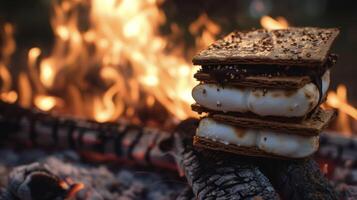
348,192
216,175
298,179
120,141
66,171
36,182
186,194
211,174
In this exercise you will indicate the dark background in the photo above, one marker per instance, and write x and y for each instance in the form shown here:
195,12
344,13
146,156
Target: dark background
31,20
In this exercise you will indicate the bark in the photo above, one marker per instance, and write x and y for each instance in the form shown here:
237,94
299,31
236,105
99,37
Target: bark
34,182
299,179
120,141
186,194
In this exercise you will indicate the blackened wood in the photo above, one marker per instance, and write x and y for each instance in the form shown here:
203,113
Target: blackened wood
216,175
186,194
348,192
6,195
120,141
299,180
34,182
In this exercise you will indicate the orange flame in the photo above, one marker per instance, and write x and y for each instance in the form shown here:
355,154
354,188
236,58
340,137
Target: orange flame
7,49
6,93
338,100
208,28
270,23
45,103
121,42
9,97
24,90
47,73
136,64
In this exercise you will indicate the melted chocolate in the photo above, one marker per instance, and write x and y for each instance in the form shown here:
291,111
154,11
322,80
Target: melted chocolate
224,73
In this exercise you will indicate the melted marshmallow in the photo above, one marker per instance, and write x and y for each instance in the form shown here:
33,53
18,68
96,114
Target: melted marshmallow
263,102
293,146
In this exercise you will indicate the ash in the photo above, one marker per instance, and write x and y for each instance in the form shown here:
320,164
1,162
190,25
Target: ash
100,182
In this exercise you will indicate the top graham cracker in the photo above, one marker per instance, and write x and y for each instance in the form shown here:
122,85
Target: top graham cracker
305,46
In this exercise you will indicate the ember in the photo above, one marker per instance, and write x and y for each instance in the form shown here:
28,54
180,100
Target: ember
74,180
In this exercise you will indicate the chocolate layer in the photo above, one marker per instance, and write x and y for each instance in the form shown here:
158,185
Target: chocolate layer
310,126
269,76
292,82
305,47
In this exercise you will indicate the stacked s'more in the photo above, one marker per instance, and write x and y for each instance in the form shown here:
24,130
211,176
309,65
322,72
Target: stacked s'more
261,92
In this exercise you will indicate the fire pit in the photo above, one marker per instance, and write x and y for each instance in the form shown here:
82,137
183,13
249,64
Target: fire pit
105,113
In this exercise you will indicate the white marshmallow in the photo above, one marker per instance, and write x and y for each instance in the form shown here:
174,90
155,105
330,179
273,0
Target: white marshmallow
263,102
293,146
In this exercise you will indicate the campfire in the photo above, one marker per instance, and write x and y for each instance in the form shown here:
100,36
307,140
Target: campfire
116,66
98,69
115,88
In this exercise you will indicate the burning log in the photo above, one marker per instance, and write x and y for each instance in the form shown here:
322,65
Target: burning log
121,142
210,174
215,175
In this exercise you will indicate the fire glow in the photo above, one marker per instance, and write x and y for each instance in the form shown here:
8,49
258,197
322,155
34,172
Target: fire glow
122,45
270,23
119,63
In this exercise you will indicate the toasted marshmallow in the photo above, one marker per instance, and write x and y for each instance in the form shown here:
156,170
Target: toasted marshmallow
287,145
263,102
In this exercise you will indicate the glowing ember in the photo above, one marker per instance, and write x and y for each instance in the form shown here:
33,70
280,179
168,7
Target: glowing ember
71,187
74,189
63,185
270,23
325,169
